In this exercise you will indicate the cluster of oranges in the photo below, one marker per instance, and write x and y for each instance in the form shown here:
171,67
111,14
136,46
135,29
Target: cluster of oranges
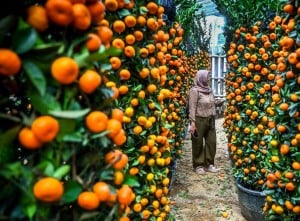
262,115
106,83
195,62
150,77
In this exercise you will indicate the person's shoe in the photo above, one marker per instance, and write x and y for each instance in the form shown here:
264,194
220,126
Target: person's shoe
200,170
212,169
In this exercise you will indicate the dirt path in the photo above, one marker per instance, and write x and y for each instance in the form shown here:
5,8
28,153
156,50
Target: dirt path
210,197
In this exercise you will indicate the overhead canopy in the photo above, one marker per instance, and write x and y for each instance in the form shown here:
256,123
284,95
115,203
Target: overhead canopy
209,8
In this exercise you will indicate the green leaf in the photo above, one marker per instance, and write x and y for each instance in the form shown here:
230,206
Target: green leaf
46,51
7,151
73,114
6,24
98,56
143,10
11,170
138,87
105,66
49,169
36,76
71,191
43,104
83,59
113,51
74,43
24,38
62,171
107,174
67,126
30,210
132,181
123,12
75,137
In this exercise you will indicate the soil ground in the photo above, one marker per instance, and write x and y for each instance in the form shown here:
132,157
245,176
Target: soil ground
209,197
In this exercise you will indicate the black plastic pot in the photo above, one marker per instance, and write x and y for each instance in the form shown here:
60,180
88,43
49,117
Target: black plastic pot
251,203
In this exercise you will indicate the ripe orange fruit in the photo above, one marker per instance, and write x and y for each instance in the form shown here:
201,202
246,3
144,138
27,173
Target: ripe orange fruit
64,69
129,51
144,73
97,11
151,88
117,159
284,106
102,190
117,114
119,26
37,17
118,43
48,189
105,34
153,25
141,20
111,5
45,128
124,218
281,128
120,138
130,21
123,89
124,74
125,195
290,186
113,126
121,163
152,8
288,204
115,63
138,35
28,140
93,42
289,175
59,11
96,121
130,39
118,177
10,62
284,149
144,52
82,18
296,165
289,8
88,200
137,129
89,81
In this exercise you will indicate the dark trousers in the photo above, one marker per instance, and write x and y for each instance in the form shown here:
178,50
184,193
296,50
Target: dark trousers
204,142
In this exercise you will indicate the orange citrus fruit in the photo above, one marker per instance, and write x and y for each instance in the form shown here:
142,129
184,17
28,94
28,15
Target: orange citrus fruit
65,70
48,189
28,140
10,62
45,128
88,200
89,81
96,121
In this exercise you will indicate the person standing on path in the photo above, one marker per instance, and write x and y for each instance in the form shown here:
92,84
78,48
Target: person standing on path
202,112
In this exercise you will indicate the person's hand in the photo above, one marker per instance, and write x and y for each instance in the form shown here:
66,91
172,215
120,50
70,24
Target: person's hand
192,127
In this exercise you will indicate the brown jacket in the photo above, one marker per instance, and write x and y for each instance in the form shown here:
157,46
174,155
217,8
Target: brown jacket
201,105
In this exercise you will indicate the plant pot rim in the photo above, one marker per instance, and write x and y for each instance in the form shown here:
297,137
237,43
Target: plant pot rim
246,190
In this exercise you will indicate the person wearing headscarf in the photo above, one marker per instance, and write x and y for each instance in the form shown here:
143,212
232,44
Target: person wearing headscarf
202,113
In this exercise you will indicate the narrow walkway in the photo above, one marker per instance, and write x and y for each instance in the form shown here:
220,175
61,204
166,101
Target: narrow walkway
210,197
